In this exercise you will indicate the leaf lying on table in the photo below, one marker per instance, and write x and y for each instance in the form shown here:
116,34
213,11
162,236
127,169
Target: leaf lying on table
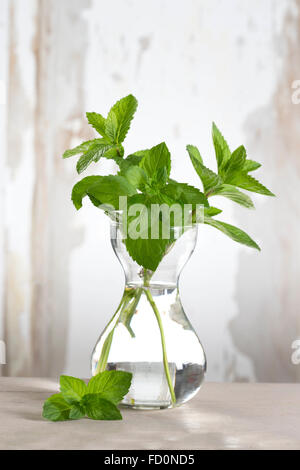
112,386
97,400
99,408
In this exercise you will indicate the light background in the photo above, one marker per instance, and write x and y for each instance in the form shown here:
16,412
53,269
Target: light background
188,63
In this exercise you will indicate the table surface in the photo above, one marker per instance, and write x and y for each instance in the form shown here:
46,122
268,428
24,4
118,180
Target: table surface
221,416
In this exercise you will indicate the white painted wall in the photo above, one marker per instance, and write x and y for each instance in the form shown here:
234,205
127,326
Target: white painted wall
3,81
188,63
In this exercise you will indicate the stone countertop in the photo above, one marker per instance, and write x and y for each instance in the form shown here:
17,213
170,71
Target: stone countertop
221,416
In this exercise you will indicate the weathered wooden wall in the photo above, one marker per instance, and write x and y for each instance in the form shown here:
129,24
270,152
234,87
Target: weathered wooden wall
268,288
49,54
188,63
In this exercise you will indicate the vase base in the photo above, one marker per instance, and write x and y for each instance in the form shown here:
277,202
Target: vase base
149,388
148,406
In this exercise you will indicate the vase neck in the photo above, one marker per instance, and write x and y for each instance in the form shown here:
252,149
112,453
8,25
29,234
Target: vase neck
168,271
160,279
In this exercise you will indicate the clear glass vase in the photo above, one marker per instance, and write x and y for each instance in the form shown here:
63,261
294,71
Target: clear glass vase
150,335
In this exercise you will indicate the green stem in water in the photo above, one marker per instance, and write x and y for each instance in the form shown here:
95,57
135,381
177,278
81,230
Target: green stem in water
163,343
101,366
128,312
102,363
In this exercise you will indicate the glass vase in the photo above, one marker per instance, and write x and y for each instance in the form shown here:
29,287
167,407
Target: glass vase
150,335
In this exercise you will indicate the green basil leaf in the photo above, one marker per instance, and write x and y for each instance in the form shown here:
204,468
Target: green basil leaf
222,150
99,408
234,233
245,181
184,193
112,385
232,193
208,178
146,250
136,176
56,408
72,389
251,165
84,147
119,118
109,189
155,160
98,122
211,211
235,163
93,154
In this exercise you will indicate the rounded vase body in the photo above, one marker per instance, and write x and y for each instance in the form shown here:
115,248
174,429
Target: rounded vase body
150,335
